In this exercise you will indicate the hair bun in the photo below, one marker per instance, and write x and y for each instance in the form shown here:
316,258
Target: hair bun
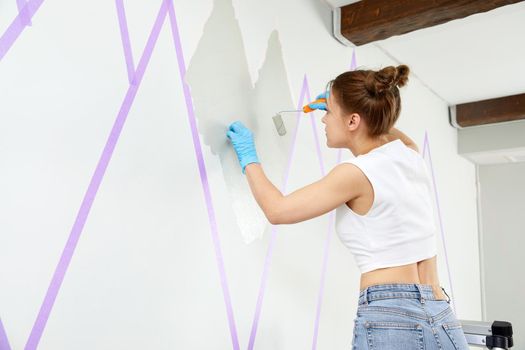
377,83
402,75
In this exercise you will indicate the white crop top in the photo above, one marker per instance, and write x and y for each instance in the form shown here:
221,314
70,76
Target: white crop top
399,228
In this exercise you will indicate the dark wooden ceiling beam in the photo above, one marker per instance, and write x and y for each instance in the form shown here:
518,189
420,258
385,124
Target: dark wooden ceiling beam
370,20
495,110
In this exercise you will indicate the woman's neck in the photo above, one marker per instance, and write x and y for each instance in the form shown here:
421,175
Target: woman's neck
363,145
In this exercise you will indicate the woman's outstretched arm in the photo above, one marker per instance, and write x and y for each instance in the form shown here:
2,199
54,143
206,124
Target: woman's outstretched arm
342,184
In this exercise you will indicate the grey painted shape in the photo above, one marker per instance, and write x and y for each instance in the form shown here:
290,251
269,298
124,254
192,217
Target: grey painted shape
222,92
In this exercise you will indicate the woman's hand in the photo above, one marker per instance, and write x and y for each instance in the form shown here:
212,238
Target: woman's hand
320,101
242,140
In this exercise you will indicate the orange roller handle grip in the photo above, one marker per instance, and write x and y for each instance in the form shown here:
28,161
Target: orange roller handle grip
307,109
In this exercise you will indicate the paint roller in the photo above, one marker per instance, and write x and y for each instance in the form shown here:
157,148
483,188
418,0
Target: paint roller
278,119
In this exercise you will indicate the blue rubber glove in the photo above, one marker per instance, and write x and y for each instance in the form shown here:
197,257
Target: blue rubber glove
242,140
320,105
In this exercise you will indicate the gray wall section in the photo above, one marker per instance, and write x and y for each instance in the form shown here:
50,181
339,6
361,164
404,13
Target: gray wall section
222,93
503,239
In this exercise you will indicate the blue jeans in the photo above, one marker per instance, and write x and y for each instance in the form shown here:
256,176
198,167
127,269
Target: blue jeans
405,317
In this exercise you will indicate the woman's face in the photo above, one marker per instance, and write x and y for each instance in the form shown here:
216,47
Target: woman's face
336,129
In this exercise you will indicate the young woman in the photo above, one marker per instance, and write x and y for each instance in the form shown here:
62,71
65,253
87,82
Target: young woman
383,208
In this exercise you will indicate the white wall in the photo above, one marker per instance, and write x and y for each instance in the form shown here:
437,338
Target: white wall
502,207
144,272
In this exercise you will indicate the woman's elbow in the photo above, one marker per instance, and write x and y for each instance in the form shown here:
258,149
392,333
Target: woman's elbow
281,218
278,217
273,218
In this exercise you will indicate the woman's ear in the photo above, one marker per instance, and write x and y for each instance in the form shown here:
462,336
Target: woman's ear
353,121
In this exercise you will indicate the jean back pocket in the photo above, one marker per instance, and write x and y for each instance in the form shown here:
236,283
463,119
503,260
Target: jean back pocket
394,336
456,335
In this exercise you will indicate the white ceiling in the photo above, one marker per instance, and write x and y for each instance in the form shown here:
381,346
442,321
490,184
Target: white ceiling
478,57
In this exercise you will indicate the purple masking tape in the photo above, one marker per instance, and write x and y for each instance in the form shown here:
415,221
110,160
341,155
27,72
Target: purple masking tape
314,130
331,222
89,197
328,234
125,41
4,342
425,144
17,26
204,177
302,97
426,150
20,4
25,12
269,253
353,65
25,19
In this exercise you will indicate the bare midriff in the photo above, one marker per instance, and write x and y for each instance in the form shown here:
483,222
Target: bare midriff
422,272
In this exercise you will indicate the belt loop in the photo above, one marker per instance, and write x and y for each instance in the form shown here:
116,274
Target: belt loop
443,289
421,298
365,294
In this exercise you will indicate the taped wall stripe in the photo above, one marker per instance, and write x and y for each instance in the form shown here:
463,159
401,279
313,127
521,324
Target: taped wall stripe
20,4
298,118
4,342
17,26
314,131
331,223
203,177
124,34
262,287
25,12
269,253
426,150
89,197
328,234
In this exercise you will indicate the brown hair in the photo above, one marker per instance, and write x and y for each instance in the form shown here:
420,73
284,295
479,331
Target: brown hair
372,94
